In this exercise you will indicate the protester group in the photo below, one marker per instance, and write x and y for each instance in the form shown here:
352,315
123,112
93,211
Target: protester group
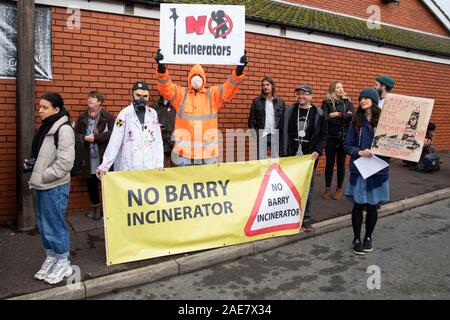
181,129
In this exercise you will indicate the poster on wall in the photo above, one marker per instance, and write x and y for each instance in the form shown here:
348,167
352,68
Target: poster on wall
203,34
402,127
42,45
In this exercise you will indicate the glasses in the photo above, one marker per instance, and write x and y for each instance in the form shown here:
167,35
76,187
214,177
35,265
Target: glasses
302,93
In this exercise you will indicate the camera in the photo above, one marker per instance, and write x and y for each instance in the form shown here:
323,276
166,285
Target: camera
28,165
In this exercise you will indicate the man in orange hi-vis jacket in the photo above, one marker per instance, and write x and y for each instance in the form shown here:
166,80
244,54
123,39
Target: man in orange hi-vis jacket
196,139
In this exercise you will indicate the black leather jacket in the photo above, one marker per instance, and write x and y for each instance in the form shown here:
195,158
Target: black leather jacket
105,126
257,116
318,135
336,128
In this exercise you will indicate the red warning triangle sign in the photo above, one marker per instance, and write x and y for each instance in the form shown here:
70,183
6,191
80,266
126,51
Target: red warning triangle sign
277,206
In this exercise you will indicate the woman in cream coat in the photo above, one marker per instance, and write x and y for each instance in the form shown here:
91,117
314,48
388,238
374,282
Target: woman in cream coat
50,182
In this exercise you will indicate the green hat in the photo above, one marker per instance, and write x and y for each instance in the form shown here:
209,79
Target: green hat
386,80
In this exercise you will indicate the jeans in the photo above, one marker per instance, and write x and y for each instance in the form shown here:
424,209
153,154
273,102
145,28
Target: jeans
184,162
50,209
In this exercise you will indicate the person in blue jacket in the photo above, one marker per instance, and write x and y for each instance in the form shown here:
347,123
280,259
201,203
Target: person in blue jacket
365,193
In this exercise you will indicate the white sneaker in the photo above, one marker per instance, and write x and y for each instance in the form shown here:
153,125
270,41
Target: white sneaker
45,268
61,270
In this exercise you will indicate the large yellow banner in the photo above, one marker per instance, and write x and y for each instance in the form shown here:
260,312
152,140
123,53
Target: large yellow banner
152,213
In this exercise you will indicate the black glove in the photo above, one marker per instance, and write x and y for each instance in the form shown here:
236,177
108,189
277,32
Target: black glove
159,56
240,68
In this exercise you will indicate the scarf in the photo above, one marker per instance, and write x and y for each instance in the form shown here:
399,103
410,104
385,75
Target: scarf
97,116
47,124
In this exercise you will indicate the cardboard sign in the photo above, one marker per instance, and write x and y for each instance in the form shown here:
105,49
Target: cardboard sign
202,34
402,127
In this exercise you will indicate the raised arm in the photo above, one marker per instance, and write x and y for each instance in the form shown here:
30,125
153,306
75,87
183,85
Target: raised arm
169,90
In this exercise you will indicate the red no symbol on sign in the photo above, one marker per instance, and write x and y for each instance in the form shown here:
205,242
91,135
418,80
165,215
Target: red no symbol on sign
221,29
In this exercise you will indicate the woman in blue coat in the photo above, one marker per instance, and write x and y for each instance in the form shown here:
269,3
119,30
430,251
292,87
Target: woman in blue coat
370,192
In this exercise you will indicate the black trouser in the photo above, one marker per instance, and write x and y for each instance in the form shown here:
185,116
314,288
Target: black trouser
308,209
357,218
334,152
167,159
92,184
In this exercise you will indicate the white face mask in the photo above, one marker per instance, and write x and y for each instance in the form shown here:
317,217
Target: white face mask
196,82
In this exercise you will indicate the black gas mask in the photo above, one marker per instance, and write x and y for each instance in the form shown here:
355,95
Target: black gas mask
140,104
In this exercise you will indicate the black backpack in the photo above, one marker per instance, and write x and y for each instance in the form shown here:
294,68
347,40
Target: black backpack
78,163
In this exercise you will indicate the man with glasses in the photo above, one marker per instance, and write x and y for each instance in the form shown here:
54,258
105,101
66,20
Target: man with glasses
302,132
136,142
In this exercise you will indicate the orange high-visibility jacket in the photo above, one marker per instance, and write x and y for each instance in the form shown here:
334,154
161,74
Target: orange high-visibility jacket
196,126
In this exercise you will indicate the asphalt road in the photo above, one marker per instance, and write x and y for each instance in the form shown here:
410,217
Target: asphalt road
411,260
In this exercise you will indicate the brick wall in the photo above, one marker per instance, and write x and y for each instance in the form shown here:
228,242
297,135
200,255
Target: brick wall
410,13
109,54
7,150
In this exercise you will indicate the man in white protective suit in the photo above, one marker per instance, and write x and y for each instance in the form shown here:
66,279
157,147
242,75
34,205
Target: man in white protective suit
136,142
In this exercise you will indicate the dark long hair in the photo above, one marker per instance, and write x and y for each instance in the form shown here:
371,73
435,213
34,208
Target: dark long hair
54,98
57,102
359,117
274,91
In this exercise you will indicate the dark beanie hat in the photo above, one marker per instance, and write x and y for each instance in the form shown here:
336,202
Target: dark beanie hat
386,80
55,99
431,126
370,93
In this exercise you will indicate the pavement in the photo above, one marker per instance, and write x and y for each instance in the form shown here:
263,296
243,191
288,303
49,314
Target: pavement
408,263
21,253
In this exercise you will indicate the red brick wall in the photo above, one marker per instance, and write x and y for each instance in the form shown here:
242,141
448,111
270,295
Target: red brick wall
7,150
104,55
410,13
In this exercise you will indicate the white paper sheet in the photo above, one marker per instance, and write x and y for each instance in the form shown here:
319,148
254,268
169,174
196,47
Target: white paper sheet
368,166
